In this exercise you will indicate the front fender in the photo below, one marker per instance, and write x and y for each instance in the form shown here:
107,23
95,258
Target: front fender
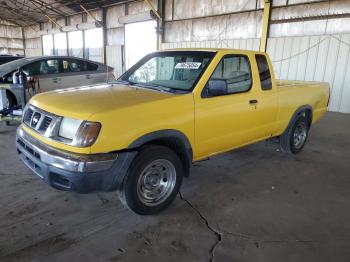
182,145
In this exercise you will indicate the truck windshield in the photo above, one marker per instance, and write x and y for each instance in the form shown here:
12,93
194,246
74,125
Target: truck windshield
177,70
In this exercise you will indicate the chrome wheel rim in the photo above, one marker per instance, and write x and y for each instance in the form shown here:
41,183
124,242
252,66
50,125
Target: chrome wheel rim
156,182
300,134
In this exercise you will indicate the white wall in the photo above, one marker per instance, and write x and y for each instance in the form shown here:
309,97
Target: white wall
11,38
316,58
32,41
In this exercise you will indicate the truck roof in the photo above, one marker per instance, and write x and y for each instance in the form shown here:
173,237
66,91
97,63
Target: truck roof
204,49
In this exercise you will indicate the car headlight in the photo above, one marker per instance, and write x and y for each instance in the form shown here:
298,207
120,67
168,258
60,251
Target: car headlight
69,127
80,133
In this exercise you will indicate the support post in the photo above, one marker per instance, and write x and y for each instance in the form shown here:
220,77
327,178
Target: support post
104,28
66,23
24,41
159,20
265,25
160,23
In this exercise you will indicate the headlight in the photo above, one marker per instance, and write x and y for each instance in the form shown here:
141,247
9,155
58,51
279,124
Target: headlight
87,134
79,133
69,128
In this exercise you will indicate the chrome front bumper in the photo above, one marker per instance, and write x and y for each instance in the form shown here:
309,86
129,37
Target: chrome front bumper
73,172
61,159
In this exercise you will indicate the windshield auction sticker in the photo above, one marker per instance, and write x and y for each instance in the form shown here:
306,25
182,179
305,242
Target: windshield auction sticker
188,65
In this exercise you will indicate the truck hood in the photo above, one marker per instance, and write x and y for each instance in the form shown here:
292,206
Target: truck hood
83,102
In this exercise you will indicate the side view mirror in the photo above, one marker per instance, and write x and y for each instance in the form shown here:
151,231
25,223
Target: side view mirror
217,87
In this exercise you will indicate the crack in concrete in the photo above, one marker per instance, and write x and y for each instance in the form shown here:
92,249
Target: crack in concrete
218,234
257,242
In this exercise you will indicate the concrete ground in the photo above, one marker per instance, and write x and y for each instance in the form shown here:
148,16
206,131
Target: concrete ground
252,204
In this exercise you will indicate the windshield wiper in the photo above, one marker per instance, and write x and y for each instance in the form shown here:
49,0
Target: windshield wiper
126,82
154,87
151,86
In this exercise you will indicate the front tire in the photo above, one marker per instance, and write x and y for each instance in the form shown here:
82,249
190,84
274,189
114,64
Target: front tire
294,138
152,181
11,99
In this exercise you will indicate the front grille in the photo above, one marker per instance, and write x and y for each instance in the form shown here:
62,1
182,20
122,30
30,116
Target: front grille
38,120
28,116
45,124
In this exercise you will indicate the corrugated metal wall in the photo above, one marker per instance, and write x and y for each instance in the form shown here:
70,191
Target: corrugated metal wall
32,41
315,58
11,39
251,44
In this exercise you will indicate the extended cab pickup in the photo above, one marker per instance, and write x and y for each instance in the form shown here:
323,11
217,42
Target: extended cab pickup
140,134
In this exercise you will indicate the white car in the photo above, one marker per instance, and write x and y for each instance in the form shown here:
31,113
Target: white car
55,72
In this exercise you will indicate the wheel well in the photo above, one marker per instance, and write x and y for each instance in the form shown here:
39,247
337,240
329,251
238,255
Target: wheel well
177,145
303,110
11,97
308,114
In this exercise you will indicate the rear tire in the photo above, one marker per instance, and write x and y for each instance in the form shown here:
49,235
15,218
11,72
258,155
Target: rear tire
152,181
11,99
294,138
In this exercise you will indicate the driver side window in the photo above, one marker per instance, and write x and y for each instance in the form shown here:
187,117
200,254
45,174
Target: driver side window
33,69
235,70
42,67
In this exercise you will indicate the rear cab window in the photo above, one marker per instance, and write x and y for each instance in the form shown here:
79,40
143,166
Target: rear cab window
264,72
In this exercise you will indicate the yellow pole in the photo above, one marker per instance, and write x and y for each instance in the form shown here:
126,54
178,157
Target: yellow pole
265,25
89,14
153,9
53,21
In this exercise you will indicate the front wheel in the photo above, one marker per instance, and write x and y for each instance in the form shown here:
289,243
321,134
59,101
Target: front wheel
153,180
11,100
294,138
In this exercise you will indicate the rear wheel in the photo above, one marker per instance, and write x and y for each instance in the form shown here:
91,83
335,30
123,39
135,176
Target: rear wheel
294,138
11,99
153,180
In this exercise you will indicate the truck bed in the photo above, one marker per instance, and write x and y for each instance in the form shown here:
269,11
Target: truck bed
311,93
288,83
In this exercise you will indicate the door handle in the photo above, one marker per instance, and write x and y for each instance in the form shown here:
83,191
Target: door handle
253,101
88,76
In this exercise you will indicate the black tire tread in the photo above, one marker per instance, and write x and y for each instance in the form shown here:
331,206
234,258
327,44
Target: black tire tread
146,155
285,138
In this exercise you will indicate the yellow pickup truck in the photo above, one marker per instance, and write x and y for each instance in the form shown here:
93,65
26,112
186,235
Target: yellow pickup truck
141,134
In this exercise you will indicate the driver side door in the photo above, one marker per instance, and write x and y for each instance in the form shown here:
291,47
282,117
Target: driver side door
226,121
47,70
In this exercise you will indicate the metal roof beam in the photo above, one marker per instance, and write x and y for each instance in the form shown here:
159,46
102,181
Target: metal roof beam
16,13
47,6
